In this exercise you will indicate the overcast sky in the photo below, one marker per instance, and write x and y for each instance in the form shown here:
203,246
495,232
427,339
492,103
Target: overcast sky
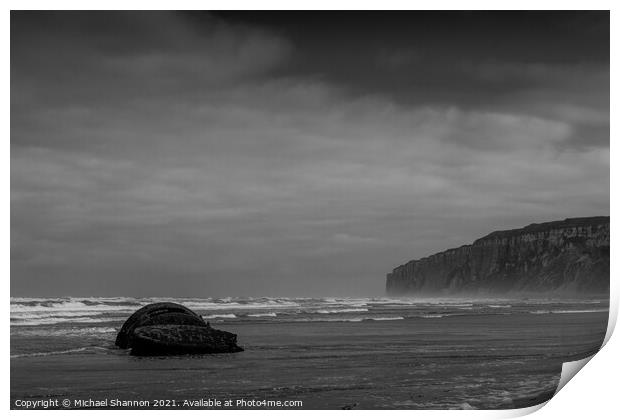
192,154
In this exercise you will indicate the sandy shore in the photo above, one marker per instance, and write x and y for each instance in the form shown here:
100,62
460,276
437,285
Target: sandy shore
453,362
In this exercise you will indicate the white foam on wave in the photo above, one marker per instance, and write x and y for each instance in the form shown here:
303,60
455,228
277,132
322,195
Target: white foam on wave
55,314
338,311
356,319
49,353
385,318
70,306
59,320
569,311
579,311
94,299
442,315
213,316
64,332
269,314
210,306
562,301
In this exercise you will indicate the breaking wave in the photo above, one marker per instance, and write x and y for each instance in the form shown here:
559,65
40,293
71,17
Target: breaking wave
356,319
49,353
338,311
30,312
213,316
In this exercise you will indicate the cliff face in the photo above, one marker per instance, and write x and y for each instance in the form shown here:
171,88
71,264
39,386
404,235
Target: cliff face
569,256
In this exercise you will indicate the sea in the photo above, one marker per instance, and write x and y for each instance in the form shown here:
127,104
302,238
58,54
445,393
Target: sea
310,353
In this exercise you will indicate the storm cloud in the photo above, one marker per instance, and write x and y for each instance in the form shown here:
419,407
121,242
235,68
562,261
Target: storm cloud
195,154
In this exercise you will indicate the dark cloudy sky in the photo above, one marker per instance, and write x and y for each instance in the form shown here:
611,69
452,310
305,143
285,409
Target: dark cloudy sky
197,154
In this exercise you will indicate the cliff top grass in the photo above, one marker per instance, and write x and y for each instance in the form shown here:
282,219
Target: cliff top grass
541,227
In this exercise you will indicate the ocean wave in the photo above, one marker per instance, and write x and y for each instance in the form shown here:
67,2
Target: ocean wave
549,301
450,314
338,311
83,306
59,320
58,314
30,312
50,353
128,304
568,311
207,305
65,332
37,311
384,318
356,319
213,316
579,311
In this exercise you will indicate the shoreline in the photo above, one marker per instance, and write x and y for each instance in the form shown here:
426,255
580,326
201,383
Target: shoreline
484,361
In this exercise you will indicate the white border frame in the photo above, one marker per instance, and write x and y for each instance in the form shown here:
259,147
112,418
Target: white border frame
592,394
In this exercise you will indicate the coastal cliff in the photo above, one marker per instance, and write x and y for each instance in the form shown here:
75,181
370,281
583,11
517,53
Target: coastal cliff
569,256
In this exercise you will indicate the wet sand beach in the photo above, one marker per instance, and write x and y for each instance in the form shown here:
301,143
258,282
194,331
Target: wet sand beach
482,361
